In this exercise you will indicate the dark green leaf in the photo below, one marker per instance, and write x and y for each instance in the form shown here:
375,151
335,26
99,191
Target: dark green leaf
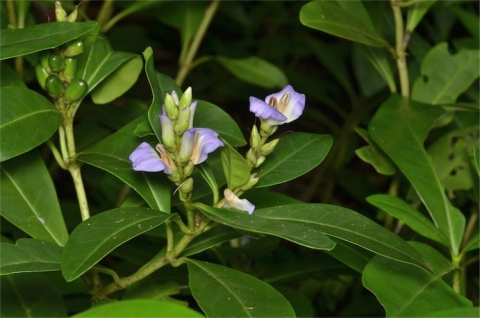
476,159
416,12
399,127
224,292
147,288
139,308
346,20
28,199
472,244
380,60
207,173
97,236
373,155
213,237
21,296
301,233
8,77
294,156
445,76
416,291
351,255
17,42
28,121
235,167
111,154
456,312
440,264
28,255
255,70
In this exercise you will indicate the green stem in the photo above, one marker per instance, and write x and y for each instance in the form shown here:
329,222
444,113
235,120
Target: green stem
457,274
56,154
169,231
185,65
131,9
400,46
12,17
105,13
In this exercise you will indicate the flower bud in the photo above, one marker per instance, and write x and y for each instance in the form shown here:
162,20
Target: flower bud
74,48
41,73
232,201
251,158
54,86
72,17
269,147
266,129
260,160
187,186
183,121
187,170
168,136
60,13
186,99
76,90
254,137
250,183
170,107
186,146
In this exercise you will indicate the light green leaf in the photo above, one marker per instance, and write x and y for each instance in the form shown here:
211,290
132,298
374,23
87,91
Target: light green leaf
416,12
139,308
28,255
440,264
295,155
27,119
148,288
31,206
97,236
224,292
21,296
301,233
399,128
17,42
210,239
111,154
476,159
373,155
255,70
456,312
416,291
235,167
472,244
207,173
345,20
444,76
120,81
409,215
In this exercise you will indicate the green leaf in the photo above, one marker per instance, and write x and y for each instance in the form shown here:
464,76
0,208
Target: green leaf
29,121
97,236
28,255
255,70
351,255
212,238
120,81
208,115
456,312
147,288
295,155
235,167
416,291
472,244
476,159
224,292
30,295
416,12
399,127
31,206
207,173
346,20
8,77
301,233
111,154
408,215
440,264
380,60
346,225
373,155
444,76
17,42
139,308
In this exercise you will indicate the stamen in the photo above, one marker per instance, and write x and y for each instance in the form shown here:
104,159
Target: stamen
284,100
273,102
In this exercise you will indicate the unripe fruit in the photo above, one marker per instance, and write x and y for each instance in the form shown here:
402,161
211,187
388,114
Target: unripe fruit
54,86
55,61
76,90
41,73
74,48
70,68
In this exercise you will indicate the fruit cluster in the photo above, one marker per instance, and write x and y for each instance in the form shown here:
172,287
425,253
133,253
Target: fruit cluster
55,72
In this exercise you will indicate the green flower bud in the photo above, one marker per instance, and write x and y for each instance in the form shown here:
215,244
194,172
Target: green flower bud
268,147
260,160
251,158
187,170
55,61
187,186
44,57
183,120
41,73
266,129
250,183
72,17
70,69
74,48
54,86
76,90
60,13
170,107
254,137
186,99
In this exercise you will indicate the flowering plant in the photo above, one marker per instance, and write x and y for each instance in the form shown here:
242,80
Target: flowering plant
229,190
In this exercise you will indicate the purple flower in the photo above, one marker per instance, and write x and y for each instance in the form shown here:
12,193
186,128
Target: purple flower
145,158
197,143
232,201
279,108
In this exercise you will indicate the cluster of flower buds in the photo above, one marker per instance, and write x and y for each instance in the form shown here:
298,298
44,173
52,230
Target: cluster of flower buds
56,69
182,146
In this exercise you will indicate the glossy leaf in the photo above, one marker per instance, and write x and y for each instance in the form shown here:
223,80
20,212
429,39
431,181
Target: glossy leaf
301,233
235,167
351,255
8,77
407,123
408,215
17,42
342,19
472,244
346,225
455,312
147,288
439,263
416,12
120,81
255,70
29,121
224,292
31,206
21,296
445,76
210,239
97,236
295,155
111,154
416,291
139,308
28,255
373,155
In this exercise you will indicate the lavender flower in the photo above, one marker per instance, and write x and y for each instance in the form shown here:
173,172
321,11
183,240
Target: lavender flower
232,201
145,158
197,143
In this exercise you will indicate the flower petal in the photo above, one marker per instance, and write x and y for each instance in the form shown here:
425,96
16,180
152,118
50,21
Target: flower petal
266,112
232,201
145,158
206,141
295,105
